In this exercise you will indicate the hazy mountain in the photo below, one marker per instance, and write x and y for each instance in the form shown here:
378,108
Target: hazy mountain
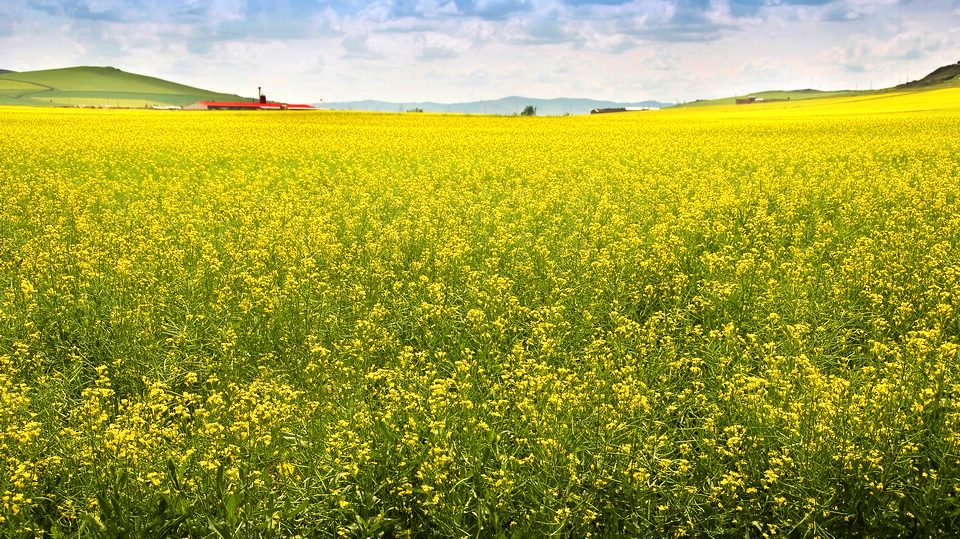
506,105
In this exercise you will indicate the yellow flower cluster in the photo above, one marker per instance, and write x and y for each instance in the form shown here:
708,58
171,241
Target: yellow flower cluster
692,322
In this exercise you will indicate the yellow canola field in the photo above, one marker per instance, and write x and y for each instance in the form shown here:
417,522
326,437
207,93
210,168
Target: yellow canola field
719,321
940,101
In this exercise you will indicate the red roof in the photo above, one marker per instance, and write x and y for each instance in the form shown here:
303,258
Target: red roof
255,105
289,106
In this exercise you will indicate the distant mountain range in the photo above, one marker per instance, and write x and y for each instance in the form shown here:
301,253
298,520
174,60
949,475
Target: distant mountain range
948,75
506,106
109,86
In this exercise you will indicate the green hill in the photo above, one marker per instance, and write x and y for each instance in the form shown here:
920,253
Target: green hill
773,96
945,76
96,86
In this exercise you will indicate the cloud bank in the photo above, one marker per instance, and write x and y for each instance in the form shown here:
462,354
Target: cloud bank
454,50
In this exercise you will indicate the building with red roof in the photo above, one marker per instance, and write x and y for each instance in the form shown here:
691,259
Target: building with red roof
245,105
262,104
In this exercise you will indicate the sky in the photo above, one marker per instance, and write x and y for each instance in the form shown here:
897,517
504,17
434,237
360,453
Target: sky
465,50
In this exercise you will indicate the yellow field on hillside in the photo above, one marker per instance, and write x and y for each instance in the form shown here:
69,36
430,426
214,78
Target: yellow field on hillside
929,102
719,321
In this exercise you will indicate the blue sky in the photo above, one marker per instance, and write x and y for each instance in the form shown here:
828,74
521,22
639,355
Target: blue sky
463,50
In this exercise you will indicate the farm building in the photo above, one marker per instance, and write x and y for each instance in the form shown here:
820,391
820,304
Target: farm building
608,110
244,105
261,104
621,109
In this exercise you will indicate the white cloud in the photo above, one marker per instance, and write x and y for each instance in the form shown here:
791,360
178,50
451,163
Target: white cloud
223,10
436,8
911,45
359,46
435,46
378,11
435,50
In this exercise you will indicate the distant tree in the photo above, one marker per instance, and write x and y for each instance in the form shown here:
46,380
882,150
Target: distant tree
418,109
529,110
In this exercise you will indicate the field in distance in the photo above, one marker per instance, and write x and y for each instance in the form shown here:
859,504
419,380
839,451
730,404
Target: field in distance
887,102
726,321
772,96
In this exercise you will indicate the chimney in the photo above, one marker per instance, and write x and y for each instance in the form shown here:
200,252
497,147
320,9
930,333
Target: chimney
263,98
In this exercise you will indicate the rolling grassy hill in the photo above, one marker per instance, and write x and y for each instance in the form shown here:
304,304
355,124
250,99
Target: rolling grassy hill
947,76
95,86
942,77
933,101
773,96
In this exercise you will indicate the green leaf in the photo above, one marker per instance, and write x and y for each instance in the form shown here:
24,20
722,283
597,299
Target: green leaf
219,528
231,504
